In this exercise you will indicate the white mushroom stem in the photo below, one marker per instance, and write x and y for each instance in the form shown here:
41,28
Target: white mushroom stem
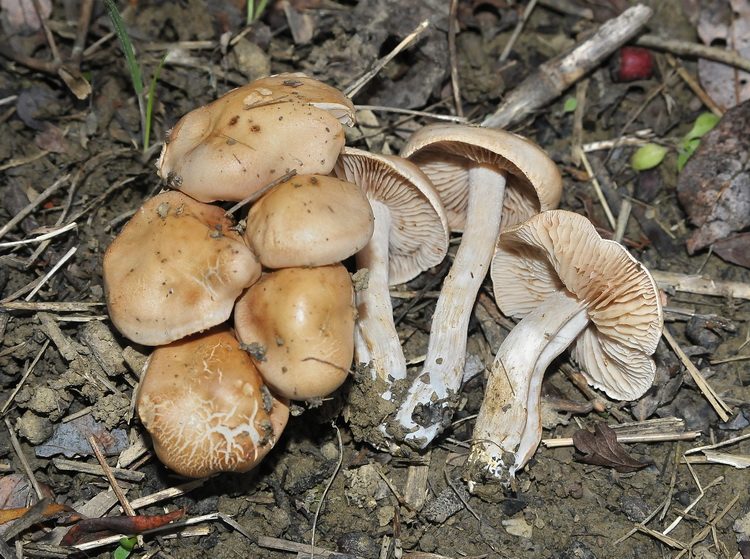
375,338
508,428
429,403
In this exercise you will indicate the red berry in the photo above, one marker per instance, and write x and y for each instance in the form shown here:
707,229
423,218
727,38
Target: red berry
633,63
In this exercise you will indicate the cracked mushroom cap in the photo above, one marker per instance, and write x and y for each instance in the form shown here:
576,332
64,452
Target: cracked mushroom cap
309,220
176,268
561,251
206,407
299,326
236,145
446,152
418,237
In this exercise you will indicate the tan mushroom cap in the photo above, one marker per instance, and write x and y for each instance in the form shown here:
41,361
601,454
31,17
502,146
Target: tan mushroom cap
299,324
418,237
206,407
296,86
236,145
309,220
176,268
561,251
446,152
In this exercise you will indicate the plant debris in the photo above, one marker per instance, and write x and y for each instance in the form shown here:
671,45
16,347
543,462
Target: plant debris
602,449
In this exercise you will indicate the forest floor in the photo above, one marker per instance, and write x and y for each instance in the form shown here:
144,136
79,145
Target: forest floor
75,168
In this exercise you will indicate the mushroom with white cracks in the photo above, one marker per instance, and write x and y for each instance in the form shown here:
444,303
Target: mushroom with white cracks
206,407
411,236
176,268
236,145
487,179
298,326
309,220
572,288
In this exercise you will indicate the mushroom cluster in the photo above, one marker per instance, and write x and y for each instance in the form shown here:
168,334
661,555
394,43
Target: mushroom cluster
248,316
243,319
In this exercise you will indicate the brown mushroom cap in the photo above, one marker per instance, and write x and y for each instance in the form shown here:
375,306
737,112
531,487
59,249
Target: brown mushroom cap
561,251
446,152
309,220
299,324
204,404
296,86
236,145
176,268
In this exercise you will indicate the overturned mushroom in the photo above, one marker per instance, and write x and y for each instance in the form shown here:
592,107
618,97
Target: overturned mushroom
176,268
298,324
234,146
206,407
572,288
309,220
485,177
411,235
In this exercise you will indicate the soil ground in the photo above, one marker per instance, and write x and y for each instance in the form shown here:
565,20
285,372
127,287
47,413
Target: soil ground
88,153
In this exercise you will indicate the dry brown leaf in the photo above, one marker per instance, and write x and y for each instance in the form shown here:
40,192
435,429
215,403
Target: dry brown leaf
52,509
602,449
735,249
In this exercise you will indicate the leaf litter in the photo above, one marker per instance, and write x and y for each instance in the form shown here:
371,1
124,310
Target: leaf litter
560,505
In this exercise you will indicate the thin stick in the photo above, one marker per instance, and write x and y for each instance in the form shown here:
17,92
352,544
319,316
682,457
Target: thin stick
25,463
694,85
358,84
436,116
285,545
25,376
718,445
517,31
327,487
690,283
721,408
557,74
44,237
173,526
598,190
654,438
258,193
24,160
622,219
687,48
167,494
704,532
54,306
38,201
452,24
111,478
52,272
691,506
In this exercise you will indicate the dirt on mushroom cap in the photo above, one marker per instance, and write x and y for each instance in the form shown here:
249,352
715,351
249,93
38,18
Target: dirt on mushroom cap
206,408
176,268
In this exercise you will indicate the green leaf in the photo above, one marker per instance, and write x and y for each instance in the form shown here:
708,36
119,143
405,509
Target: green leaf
128,543
127,47
703,124
150,102
570,105
686,150
122,553
648,156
